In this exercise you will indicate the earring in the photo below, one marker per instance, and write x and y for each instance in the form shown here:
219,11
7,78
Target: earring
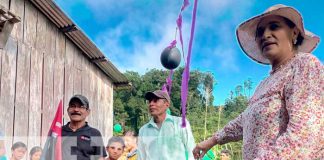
295,41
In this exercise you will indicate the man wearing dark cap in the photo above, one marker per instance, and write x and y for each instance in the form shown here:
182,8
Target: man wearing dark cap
163,137
79,140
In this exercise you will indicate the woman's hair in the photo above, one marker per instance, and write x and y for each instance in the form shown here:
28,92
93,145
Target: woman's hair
34,150
17,145
290,24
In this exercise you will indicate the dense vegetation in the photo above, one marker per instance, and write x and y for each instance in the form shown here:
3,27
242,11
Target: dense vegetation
130,108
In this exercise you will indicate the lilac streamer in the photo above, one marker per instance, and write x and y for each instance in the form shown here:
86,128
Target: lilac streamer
185,4
169,81
185,75
164,88
168,85
179,24
172,44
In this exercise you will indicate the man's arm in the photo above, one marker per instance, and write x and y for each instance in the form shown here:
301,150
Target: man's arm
140,147
188,140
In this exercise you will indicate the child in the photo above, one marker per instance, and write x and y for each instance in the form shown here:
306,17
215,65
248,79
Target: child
35,153
18,150
115,148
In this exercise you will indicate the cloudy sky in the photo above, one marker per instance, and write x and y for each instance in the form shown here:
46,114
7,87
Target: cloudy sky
132,34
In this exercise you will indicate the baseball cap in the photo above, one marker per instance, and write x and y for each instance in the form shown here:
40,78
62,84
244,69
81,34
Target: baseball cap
157,94
82,99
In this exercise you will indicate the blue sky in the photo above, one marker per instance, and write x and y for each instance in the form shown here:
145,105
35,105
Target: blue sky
133,33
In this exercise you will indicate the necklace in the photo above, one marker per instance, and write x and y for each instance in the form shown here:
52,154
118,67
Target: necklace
274,70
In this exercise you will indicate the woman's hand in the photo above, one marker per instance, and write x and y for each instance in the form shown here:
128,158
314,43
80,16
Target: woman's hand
201,148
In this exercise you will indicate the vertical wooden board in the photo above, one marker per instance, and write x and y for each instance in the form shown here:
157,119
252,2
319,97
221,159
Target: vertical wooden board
2,51
5,3
89,94
96,98
18,7
41,32
86,84
35,100
85,89
100,114
8,81
68,76
59,67
108,114
22,94
30,23
107,117
77,70
92,97
109,109
49,106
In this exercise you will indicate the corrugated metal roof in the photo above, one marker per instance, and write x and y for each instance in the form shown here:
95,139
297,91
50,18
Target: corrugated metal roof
90,50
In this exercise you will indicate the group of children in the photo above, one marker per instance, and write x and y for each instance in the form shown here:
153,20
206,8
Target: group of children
122,148
119,148
18,151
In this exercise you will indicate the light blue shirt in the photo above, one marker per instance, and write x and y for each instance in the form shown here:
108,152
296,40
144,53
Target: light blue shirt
2,139
170,142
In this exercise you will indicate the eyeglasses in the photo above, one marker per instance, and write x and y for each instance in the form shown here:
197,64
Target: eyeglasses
154,100
77,106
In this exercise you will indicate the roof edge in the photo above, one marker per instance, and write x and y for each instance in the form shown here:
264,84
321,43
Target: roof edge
53,12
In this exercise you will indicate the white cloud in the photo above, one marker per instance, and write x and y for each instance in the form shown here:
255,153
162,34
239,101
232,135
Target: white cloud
143,51
227,59
144,54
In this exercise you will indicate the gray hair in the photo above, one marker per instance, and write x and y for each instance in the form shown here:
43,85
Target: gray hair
116,139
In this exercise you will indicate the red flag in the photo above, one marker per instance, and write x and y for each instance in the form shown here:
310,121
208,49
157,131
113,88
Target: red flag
53,146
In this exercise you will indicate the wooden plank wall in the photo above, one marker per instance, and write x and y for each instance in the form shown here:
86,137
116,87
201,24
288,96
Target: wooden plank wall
39,66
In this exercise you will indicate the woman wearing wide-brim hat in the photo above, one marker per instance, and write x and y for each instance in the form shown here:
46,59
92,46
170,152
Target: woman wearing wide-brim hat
285,116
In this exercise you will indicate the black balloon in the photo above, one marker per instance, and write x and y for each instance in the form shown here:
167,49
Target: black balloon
170,58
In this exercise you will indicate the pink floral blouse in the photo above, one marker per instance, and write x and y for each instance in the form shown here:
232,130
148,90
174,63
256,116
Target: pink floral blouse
285,116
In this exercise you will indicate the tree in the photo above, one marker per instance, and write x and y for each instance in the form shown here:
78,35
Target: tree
206,88
129,105
238,90
130,108
248,86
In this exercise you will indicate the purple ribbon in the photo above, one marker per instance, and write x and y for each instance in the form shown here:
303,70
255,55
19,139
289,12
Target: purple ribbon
179,24
172,44
185,4
186,73
168,85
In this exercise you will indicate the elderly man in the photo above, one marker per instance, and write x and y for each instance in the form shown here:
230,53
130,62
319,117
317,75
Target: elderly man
163,137
79,140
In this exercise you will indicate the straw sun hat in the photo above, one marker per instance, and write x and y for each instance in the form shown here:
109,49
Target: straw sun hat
246,32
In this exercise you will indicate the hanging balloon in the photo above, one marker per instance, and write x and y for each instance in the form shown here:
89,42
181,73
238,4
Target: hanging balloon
118,128
170,57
